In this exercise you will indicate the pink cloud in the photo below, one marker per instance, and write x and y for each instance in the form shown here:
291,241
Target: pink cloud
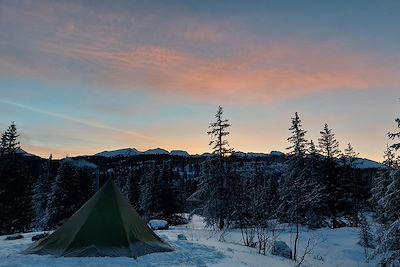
71,43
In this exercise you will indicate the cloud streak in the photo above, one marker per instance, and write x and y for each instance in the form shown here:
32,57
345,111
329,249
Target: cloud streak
236,67
89,123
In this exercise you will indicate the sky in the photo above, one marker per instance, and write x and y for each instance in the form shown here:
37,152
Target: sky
80,77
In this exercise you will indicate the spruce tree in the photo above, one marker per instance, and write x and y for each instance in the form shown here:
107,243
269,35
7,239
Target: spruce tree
41,190
390,203
149,192
393,136
12,139
349,185
64,195
215,186
390,243
3,144
391,200
218,133
288,209
329,149
9,141
213,195
382,181
297,190
314,187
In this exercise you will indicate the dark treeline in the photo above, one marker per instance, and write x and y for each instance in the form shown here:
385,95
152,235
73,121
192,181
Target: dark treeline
315,184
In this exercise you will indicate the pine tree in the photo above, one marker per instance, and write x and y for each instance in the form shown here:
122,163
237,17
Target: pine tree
218,135
216,180
393,136
41,189
316,205
150,192
390,243
329,149
3,144
9,141
349,186
390,208
294,175
382,181
328,145
297,191
366,236
391,200
215,194
12,139
64,195
390,160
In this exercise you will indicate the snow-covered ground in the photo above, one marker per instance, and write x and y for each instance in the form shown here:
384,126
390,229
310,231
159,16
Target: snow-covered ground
334,248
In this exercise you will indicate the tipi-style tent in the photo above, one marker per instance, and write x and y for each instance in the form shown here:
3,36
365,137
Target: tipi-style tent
106,225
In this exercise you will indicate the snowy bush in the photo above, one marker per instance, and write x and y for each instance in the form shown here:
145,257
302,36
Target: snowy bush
280,248
158,224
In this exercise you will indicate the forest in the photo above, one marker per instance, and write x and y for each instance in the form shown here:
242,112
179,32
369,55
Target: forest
314,184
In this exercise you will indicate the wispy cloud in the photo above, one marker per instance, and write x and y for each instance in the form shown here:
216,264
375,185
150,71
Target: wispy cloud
89,123
199,60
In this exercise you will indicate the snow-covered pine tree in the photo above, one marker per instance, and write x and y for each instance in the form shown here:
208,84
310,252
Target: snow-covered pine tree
366,236
349,189
293,179
315,212
391,200
390,243
393,136
329,149
382,181
215,182
16,176
62,201
389,206
132,186
150,192
167,197
41,190
215,194
298,192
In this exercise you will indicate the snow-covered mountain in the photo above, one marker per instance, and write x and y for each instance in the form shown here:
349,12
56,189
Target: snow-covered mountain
23,152
368,164
181,153
79,163
360,163
156,151
125,152
258,155
128,152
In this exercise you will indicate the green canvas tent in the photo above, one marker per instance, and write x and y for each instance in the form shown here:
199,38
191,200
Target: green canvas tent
106,225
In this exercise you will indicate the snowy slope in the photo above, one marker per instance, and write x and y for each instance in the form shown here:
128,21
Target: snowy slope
334,248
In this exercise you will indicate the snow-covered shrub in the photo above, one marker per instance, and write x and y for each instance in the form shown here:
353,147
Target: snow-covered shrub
158,224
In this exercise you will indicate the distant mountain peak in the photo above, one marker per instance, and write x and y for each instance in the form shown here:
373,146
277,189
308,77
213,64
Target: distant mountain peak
124,152
156,151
